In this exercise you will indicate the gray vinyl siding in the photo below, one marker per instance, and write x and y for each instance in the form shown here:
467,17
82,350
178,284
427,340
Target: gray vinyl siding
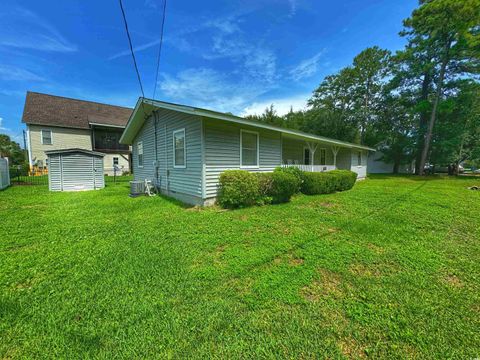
222,151
361,170
75,172
171,180
344,159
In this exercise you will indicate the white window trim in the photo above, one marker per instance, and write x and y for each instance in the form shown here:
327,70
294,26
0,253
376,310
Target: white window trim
51,136
320,155
241,150
184,166
143,159
310,154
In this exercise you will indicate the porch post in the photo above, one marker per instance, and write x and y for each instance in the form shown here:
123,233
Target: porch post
335,152
312,147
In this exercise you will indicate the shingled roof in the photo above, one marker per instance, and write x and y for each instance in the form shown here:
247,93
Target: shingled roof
44,109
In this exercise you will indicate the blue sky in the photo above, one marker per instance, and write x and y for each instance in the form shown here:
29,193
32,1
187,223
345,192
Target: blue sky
227,55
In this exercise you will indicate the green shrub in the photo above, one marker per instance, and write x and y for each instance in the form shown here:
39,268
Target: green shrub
328,182
283,186
295,172
318,183
238,188
265,183
344,179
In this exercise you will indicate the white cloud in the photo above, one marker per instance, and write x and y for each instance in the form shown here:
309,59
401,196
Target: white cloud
151,4
307,67
282,105
14,73
21,28
135,50
293,7
204,87
1,125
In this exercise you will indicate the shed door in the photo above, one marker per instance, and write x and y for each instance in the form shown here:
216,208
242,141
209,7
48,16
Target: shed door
77,172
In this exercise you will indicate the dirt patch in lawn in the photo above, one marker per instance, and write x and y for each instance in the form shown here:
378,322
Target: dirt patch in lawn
453,281
328,285
351,348
296,261
376,249
358,269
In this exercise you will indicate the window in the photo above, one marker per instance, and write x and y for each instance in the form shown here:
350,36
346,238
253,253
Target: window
47,137
140,153
248,148
115,161
323,156
179,153
306,156
359,158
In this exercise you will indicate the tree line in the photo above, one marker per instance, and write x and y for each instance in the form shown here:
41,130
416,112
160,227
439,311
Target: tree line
421,103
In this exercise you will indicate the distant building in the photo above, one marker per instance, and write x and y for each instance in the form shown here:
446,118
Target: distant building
56,123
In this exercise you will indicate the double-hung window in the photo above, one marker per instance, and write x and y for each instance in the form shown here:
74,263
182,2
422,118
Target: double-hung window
249,143
140,153
47,137
179,151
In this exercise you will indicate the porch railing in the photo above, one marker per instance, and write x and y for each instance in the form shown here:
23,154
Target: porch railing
312,168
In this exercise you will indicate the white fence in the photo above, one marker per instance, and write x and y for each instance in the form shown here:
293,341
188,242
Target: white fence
312,168
4,174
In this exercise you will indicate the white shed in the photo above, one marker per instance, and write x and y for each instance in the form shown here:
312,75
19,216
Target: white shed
75,170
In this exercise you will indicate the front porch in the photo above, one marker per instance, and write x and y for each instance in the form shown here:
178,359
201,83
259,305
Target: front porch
312,156
311,168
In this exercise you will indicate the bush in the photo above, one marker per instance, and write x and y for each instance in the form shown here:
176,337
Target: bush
318,183
265,183
283,186
328,182
295,172
238,188
344,179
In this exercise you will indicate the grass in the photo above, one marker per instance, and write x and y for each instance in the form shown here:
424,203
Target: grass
389,269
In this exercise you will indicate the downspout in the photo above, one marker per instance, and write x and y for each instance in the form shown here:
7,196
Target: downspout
156,149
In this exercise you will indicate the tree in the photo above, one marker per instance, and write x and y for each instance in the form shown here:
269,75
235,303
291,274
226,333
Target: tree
451,28
351,99
11,150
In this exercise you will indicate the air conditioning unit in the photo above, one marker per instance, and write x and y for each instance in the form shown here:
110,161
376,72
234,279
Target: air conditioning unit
137,188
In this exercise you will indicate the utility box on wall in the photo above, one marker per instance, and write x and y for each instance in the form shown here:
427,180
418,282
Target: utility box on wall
75,170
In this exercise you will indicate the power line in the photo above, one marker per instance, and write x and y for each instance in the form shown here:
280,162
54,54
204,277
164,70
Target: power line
160,47
131,48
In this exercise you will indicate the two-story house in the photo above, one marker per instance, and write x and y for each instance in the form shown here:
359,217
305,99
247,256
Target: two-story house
55,122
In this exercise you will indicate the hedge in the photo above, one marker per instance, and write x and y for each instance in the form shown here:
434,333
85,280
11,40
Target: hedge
327,182
238,188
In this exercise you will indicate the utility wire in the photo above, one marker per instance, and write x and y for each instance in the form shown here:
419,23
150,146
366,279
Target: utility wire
160,47
131,48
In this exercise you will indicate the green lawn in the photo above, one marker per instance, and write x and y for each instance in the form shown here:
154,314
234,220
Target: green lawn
389,269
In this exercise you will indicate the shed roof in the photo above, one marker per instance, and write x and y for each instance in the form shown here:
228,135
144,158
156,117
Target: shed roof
145,107
74,150
52,110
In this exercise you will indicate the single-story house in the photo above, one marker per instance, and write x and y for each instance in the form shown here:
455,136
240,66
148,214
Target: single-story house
184,149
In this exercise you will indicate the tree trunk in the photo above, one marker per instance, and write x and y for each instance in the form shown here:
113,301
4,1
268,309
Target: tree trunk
396,166
423,122
433,116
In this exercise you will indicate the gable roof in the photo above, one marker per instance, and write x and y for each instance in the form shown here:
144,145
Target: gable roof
52,110
145,107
